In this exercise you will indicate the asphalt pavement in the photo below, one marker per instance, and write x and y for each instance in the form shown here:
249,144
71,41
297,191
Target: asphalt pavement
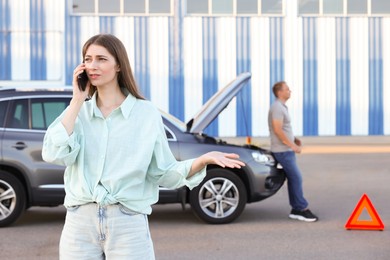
337,171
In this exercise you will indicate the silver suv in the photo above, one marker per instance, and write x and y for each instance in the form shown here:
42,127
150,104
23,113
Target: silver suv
26,180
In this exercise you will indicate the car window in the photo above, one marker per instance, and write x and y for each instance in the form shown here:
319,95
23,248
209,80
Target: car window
3,110
168,134
44,111
18,116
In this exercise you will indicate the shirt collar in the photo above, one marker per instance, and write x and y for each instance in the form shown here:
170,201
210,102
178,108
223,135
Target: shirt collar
128,105
125,107
281,102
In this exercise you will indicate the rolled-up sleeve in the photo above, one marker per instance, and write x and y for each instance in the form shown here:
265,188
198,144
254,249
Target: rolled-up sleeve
58,146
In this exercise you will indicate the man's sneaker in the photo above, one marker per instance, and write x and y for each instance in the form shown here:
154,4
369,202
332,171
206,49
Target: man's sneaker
305,215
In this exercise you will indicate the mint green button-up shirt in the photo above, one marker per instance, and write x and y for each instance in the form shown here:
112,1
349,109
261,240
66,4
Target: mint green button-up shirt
123,158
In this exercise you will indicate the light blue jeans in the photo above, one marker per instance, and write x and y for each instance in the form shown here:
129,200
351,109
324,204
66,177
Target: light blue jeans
94,232
294,179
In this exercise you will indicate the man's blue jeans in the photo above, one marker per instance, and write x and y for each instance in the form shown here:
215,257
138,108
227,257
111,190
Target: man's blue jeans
294,179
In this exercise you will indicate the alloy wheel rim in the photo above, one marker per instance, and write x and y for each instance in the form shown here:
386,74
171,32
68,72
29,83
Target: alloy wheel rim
218,197
7,200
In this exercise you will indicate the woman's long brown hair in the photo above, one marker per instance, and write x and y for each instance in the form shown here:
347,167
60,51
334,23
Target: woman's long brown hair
116,48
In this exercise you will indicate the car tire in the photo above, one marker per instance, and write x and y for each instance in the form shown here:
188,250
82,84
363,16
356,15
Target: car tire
12,199
220,198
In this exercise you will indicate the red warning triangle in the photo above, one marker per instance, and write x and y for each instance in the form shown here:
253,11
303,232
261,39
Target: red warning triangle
374,224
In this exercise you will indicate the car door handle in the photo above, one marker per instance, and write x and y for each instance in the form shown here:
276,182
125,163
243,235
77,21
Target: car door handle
19,146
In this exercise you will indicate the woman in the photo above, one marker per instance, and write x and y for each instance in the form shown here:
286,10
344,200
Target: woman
116,156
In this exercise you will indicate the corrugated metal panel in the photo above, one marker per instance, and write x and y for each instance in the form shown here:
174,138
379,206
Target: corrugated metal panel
124,30
72,44
88,26
260,81
276,51
20,39
343,85
334,66
326,54
55,17
193,69
176,65
375,111
37,40
5,41
159,62
210,66
293,74
106,24
226,48
359,75
386,75
141,55
244,102
310,98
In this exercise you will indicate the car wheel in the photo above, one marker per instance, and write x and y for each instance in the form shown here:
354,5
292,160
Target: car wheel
220,198
12,199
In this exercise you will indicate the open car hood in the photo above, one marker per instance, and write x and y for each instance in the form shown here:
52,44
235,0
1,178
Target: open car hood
218,102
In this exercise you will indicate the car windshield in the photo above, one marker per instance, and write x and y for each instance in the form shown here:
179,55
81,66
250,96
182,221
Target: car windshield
175,121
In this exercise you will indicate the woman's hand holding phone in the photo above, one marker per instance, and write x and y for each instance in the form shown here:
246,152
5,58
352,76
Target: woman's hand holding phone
81,82
77,101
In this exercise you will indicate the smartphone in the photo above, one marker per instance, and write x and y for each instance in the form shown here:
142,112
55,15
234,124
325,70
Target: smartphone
82,80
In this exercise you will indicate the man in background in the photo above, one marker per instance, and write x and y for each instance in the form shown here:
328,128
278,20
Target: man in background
284,145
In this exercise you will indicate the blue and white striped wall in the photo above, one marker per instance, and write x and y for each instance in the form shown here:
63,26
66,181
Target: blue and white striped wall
335,66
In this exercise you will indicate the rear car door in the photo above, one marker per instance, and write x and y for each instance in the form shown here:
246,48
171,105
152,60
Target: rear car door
26,123
3,113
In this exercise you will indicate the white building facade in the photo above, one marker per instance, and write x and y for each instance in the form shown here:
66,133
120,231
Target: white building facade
334,54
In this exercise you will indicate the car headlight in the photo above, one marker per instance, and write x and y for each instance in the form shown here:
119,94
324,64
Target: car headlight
263,158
